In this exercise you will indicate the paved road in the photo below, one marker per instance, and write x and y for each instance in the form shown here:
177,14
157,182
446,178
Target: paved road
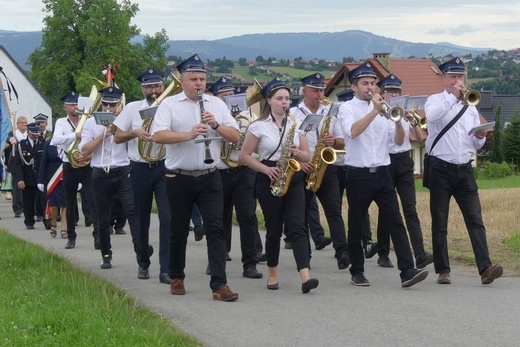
464,313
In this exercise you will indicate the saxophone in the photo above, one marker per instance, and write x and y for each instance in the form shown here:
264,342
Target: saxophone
287,165
323,156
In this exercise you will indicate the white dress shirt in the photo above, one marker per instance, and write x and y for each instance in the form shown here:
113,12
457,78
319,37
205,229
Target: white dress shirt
455,146
179,114
393,148
269,136
115,156
370,148
63,135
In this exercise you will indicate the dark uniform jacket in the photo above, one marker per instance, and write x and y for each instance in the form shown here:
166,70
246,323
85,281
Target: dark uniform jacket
20,168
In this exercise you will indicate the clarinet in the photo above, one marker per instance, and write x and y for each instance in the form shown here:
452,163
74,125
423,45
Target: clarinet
208,159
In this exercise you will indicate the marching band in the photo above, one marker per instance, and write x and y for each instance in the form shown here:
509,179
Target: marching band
189,148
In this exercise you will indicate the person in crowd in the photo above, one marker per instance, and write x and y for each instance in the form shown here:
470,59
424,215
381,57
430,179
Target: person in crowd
77,173
13,139
237,184
368,179
191,171
451,172
147,172
280,192
401,170
314,103
25,166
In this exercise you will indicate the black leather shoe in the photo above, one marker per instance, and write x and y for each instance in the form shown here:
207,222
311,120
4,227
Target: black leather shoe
70,244
359,280
143,274
325,241
39,218
228,258
288,245
252,272
310,284
423,260
17,215
413,276
371,249
273,286
120,231
107,262
261,257
47,223
384,261
343,260
30,227
199,233
164,277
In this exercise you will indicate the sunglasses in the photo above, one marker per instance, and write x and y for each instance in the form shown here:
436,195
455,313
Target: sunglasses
111,104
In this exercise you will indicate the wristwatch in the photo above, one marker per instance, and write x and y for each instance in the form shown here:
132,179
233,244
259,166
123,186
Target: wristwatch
215,128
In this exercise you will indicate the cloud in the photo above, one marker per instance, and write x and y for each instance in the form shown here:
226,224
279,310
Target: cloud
436,31
461,30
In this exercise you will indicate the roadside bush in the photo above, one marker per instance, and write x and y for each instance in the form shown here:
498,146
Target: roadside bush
496,170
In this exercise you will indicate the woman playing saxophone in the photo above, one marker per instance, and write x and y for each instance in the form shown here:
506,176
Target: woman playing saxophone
272,136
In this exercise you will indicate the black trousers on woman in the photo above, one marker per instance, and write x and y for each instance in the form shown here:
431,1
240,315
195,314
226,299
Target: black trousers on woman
289,209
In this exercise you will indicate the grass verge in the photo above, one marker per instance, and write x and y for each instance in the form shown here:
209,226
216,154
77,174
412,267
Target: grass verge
46,301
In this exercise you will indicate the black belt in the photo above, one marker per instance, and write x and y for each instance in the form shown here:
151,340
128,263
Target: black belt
194,173
442,163
231,169
365,169
113,170
150,165
400,155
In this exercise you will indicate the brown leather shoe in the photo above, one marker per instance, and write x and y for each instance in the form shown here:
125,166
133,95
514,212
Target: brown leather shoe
444,278
491,273
224,293
177,286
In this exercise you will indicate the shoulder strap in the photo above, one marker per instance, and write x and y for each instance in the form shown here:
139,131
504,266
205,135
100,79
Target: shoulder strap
448,126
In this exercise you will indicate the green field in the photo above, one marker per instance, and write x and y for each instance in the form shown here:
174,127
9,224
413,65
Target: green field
242,74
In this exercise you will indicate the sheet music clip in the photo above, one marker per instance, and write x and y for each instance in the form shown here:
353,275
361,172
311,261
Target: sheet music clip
334,109
311,122
234,102
84,103
147,113
104,118
416,103
401,101
208,139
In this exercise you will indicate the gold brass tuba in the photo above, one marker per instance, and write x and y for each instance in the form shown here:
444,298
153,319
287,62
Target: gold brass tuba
145,148
253,94
227,148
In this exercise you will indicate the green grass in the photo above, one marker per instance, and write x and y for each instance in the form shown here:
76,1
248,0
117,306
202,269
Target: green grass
46,301
243,72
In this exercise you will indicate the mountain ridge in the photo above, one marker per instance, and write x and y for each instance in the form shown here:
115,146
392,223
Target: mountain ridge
335,46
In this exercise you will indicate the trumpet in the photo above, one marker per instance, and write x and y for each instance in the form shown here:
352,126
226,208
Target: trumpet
415,119
470,97
395,113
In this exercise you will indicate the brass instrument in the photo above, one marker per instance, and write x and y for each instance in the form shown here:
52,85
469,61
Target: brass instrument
207,159
73,153
287,165
395,113
470,97
145,148
415,119
227,148
253,94
115,114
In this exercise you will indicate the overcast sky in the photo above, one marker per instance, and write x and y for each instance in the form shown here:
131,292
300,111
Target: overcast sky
478,23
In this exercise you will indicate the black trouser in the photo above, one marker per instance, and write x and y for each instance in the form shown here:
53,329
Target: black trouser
148,180
290,209
29,194
206,191
363,187
449,180
118,218
84,206
237,186
329,199
71,178
401,170
367,232
17,202
41,203
115,182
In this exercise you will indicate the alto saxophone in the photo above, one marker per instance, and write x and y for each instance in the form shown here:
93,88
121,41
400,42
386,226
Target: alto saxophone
287,165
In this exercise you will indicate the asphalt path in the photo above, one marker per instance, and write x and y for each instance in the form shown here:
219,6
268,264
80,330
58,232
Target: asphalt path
465,313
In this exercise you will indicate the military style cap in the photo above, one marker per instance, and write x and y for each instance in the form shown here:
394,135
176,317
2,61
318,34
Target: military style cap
275,84
390,82
71,98
40,117
363,70
345,95
151,76
453,66
316,80
111,94
221,85
33,128
240,89
193,64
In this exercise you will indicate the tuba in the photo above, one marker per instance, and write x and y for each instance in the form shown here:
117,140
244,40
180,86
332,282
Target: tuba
254,94
145,148
227,148
287,165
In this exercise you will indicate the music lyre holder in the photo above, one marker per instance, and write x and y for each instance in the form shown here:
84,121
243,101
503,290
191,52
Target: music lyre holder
310,123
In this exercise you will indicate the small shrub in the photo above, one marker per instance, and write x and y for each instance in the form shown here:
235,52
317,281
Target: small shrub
493,171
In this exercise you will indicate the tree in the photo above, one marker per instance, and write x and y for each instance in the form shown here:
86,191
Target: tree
81,37
512,141
242,61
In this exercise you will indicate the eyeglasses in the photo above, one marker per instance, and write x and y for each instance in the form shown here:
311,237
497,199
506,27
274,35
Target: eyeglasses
151,87
111,104
393,92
